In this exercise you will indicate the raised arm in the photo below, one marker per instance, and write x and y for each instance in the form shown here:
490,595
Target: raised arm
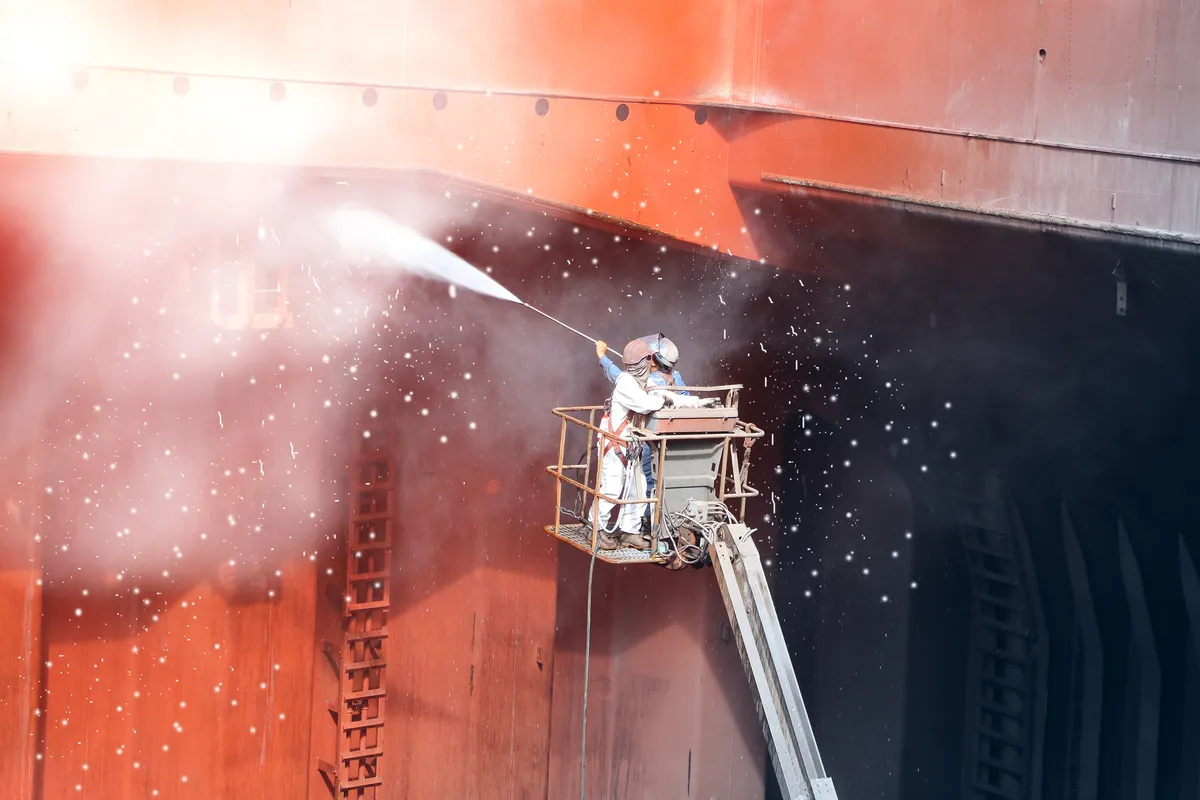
611,370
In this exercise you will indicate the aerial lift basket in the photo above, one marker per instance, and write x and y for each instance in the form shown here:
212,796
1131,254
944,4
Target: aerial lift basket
701,458
699,455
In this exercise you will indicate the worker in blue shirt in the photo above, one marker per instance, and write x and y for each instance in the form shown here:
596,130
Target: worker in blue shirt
664,357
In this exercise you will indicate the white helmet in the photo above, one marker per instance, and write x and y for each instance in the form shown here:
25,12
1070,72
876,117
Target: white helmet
664,350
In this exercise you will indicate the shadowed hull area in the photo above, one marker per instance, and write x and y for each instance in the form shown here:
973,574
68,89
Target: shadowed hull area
1004,599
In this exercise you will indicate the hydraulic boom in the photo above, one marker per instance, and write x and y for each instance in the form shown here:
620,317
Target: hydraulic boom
764,653
697,507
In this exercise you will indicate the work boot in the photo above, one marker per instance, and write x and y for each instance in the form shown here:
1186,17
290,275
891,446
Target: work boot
634,540
606,542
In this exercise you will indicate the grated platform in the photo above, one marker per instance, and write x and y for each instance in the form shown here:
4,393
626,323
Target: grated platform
580,536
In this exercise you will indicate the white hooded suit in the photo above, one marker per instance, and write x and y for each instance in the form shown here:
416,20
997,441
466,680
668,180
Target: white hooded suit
619,479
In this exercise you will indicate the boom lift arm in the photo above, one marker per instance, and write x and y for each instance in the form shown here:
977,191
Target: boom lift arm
768,665
700,498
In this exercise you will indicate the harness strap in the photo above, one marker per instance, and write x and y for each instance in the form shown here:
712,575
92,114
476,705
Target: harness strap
610,445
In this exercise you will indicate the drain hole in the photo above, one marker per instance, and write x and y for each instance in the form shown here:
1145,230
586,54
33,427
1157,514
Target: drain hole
701,116
541,107
80,78
439,101
622,112
182,85
1041,55
370,97
278,92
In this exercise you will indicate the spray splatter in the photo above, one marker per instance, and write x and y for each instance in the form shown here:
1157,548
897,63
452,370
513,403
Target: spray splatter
374,235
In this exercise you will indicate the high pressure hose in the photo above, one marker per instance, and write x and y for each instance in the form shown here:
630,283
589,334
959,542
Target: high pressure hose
565,325
587,663
629,486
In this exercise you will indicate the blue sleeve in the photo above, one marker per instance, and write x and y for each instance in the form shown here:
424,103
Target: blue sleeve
658,379
611,370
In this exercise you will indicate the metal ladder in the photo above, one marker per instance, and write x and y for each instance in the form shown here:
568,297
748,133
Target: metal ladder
768,665
362,661
1006,666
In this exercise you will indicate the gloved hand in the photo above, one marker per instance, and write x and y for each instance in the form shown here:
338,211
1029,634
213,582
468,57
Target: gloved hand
674,400
710,402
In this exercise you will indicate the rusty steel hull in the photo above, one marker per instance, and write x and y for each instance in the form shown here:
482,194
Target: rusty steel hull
1019,114
717,128
487,612
177,664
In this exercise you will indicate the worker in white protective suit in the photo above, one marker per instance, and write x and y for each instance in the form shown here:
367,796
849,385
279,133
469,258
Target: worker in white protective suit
664,355
621,475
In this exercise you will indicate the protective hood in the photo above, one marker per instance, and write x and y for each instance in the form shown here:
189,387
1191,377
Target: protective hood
640,371
637,361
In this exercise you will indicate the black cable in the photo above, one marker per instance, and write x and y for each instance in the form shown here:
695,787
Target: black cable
587,663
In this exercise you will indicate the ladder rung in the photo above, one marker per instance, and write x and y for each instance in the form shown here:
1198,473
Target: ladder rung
371,516
358,636
1018,715
994,764
373,544
360,665
975,525
1011,658
993,576
361,783
996,600
373,752
373,650
354,725
1002,682
1001,736
364,695
979,547
983,521
374,605
995,623
370,576
979,536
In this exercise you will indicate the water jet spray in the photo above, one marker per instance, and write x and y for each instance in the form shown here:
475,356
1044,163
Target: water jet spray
363,230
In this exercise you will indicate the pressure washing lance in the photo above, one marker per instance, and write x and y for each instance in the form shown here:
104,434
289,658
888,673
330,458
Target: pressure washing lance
587,651
587,657
565,325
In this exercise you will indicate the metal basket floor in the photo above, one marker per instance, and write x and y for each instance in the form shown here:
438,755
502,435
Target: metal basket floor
580,537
